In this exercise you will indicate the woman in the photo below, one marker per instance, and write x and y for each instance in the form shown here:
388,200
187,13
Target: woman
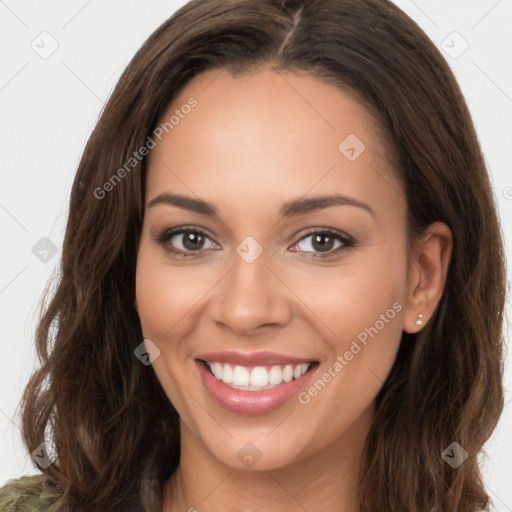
282,279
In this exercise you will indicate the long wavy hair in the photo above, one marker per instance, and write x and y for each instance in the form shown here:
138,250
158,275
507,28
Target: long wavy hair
113,429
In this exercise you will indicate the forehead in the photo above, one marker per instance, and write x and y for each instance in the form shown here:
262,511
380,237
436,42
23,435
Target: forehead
269,134
264,102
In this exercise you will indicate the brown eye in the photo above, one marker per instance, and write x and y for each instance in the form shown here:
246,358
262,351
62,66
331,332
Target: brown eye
185,242
191,240
328,242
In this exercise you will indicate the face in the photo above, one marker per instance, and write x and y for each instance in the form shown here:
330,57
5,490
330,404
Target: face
273,244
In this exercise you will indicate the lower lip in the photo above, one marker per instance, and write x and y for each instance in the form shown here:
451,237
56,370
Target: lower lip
251,402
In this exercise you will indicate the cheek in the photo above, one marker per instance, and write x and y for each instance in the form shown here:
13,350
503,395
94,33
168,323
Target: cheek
353,296
165,294
361,305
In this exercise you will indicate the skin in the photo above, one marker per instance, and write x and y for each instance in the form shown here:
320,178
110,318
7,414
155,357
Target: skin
252,143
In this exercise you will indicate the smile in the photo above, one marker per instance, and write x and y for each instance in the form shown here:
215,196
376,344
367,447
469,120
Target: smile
257,378
255,383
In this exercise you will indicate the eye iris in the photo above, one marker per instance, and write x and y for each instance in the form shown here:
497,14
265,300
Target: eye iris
323,246
193,241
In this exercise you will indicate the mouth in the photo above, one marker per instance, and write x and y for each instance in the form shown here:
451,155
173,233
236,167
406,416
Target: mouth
257,378
250,390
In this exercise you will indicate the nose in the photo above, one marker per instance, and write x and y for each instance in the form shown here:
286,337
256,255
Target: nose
251,297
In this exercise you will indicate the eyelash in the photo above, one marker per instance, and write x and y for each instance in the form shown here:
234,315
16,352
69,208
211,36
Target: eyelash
166,235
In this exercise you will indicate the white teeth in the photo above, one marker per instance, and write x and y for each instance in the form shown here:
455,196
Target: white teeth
257,378
288,373
217,370
275,375
240,376
227,375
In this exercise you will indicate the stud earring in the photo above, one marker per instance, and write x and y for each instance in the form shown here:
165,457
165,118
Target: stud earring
420,319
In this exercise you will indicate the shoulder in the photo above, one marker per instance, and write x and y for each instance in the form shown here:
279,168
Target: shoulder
28,494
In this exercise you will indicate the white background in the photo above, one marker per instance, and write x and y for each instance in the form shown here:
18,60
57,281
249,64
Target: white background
48,107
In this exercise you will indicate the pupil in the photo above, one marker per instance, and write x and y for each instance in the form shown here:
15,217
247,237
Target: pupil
325,246
193,241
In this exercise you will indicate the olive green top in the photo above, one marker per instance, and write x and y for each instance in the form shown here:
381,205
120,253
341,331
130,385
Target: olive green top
28,494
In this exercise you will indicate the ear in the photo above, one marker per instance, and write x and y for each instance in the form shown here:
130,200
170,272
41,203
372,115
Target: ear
427,272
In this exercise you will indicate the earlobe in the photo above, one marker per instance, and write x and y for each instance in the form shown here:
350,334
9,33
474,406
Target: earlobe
428,270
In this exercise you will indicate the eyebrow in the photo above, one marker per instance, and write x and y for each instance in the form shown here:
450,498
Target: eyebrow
293,208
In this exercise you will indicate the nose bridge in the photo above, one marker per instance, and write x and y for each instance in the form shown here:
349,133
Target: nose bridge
250,295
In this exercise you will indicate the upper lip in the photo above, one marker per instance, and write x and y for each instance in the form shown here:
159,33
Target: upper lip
252,358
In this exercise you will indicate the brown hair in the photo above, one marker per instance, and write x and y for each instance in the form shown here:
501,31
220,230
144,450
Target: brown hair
113,428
